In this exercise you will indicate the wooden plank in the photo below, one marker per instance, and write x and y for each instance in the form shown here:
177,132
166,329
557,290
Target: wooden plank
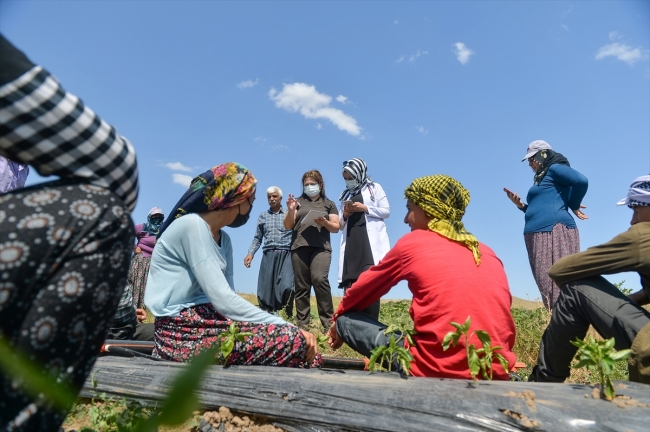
354,400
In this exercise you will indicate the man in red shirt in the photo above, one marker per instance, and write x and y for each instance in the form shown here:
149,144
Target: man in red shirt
451,275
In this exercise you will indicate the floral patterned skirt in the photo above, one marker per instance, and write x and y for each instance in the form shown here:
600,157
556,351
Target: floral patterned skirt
138,273
197,328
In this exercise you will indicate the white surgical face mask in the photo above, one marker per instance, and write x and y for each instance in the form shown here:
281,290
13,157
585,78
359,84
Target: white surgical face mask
311,190
351,184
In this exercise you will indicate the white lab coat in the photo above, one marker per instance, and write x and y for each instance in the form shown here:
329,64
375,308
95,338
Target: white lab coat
375,199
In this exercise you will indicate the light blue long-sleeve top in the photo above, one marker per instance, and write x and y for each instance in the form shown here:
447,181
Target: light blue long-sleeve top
189,268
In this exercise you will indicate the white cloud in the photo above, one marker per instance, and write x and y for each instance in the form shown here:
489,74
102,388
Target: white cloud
565,27
419,53
400,59
182,179
276,147
177,166
248,83
422,130
319,126
614,35
462,52
259,139
342,99
567,12
303,98
622,52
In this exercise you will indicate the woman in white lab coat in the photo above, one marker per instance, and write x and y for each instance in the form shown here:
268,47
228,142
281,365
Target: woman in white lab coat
364,240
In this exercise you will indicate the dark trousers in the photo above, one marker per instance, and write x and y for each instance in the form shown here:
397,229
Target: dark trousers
65,250
363,334
311,267
583,302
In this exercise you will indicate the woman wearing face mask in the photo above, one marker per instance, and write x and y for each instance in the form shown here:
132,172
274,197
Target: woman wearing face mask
312,217
364,240
550,232
145,235
193,299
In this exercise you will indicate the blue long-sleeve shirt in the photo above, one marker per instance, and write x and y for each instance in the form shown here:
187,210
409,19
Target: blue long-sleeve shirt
270,227
189,268
561,190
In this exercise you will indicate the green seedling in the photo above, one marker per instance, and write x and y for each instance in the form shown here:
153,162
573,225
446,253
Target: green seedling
601,356
394,351
478,360
322,342
227,342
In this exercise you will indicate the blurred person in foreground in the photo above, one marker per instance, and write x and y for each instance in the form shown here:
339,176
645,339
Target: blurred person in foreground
451,276
65,245
587,298
550,231
191,289
275,287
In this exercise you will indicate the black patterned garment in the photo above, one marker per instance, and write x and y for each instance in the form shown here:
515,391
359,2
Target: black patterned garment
65,246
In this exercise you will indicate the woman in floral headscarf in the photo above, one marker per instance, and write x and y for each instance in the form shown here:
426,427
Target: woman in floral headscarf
451,275
192,293
146,240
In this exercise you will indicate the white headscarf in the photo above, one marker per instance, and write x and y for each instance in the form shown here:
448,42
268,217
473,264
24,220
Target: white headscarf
639,193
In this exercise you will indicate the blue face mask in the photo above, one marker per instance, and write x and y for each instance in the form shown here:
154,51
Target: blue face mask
351,184
311,190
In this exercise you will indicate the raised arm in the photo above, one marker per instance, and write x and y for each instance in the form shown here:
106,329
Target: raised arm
292,210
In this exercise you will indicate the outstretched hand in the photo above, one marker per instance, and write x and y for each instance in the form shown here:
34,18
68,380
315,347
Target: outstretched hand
580,214
516,200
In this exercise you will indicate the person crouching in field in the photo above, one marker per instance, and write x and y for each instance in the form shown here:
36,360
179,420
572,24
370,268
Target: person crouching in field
190,289
451,275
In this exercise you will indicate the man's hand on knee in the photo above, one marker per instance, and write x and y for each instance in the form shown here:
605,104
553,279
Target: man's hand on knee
335,340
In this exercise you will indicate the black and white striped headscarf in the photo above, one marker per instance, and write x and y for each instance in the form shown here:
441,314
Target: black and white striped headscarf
359,171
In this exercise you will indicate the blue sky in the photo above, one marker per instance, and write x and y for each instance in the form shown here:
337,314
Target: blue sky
414,88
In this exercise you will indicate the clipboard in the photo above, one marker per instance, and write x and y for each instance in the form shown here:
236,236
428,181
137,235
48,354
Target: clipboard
310,218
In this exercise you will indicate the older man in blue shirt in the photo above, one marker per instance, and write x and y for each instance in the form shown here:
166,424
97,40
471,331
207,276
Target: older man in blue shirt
275,286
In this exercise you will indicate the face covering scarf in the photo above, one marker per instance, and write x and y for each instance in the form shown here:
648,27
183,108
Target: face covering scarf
220,187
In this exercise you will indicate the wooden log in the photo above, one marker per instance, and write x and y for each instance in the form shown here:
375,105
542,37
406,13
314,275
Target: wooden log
337,400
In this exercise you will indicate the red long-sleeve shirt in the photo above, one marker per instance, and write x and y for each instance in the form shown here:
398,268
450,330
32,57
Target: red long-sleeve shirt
447,286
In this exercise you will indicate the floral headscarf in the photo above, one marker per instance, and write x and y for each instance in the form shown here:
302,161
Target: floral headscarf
444,199
221,187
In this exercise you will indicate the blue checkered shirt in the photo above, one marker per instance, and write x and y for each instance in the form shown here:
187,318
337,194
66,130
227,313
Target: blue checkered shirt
270,226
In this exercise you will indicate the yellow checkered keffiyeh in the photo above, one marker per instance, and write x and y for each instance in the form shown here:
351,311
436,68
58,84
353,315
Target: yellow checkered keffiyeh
444,199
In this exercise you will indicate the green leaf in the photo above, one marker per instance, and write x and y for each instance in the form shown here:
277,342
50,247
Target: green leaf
181,400
620,355
448,340
227,347
484,337
609,343
473,361
503,362
374,356
33,377
583,363
468,324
